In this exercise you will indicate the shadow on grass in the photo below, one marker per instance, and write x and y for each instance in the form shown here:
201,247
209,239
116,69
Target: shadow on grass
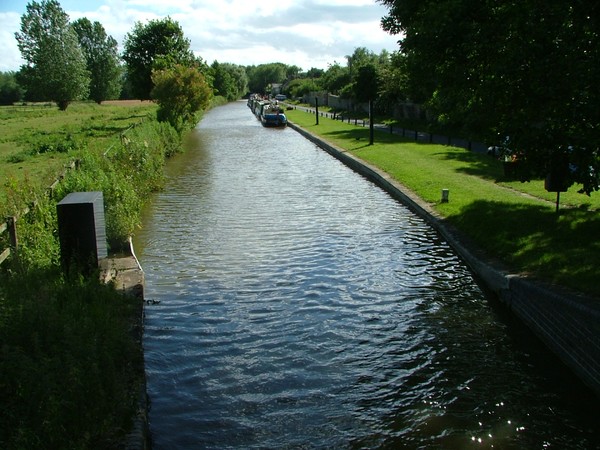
560,248
361,135
103,130
476,164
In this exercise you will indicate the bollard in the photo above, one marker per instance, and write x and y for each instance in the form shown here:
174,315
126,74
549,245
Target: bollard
445,194
82,231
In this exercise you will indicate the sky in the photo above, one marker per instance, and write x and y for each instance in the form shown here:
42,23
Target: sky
304,33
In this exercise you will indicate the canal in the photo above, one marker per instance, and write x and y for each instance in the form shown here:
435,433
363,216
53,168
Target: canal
293,304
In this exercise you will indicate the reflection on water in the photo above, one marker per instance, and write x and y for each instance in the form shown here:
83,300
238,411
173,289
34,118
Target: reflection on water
300,306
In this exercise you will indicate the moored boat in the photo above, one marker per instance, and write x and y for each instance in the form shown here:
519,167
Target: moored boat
272,116
273,119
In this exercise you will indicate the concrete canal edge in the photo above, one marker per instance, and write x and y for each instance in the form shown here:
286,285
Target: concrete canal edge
568,323
127,275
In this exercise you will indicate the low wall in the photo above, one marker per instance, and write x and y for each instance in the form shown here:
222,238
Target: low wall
566,322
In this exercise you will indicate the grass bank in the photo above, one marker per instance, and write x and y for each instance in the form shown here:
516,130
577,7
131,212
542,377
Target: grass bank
512,221
69,362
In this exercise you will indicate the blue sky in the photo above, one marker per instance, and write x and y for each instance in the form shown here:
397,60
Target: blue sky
306,33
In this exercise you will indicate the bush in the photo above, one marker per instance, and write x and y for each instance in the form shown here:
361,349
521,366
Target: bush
126,175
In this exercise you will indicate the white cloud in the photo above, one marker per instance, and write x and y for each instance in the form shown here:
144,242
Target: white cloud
10,56
306,33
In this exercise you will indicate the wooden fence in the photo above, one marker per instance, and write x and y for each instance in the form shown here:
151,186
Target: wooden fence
418,136
10,224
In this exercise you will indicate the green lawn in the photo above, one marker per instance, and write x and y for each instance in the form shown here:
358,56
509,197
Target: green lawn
513,221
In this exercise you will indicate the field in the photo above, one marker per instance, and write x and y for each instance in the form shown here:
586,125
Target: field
38,140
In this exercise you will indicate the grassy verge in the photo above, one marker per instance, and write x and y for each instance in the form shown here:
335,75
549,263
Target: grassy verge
36,141
512,221
69,362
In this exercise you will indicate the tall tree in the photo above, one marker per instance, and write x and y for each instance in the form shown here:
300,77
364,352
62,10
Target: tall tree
55,66
393,82
259,77
102,59
336,78
366,84
523,69
157,45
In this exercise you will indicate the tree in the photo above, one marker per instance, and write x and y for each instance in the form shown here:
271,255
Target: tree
10,91
336,78
522,69
393,82
54,63
302,86
229,80
313,72
360,57
366,84
180,91
158,45
259,77
102,59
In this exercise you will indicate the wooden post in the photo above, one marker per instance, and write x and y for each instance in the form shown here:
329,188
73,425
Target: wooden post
371,123
317,109
11,223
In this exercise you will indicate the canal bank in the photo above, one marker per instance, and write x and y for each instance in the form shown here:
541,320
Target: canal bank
567,322
126,274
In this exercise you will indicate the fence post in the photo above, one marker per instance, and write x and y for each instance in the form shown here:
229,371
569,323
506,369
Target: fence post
11,224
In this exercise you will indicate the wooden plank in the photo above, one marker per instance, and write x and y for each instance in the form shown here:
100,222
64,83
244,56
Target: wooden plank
3,227
5,254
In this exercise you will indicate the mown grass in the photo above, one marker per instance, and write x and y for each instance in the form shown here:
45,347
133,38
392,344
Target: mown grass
512,221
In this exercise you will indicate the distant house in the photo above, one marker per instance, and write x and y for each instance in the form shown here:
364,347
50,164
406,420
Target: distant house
276,88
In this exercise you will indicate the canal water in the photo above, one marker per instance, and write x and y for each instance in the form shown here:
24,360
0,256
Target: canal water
293,304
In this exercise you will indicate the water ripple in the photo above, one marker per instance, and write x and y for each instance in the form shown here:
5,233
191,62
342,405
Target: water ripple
301,307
